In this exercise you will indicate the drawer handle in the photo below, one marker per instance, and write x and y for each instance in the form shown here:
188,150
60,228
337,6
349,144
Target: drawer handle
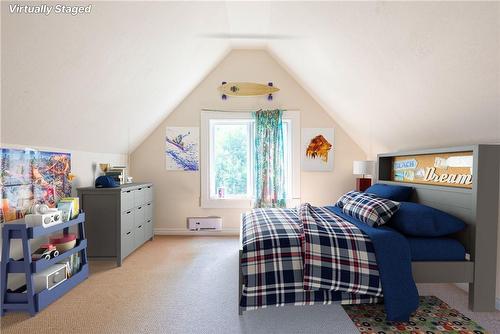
139,188
128,233
128,212
140,207
128,191
149,204
149,221
140,226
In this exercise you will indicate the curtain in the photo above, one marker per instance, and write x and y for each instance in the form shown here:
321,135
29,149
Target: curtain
269,159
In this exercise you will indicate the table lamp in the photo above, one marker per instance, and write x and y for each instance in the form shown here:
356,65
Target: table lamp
363,167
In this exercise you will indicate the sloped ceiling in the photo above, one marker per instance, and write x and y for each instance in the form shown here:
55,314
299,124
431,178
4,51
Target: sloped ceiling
393,75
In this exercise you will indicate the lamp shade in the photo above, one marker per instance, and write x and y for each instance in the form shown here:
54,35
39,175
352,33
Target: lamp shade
363,167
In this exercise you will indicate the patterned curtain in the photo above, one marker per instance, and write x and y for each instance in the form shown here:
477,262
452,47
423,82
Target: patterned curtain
269,159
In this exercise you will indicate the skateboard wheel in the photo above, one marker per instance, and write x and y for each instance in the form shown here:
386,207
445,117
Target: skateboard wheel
270,84
270,97
223,82
224,97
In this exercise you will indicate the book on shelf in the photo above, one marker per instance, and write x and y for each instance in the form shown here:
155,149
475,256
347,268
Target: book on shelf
75,205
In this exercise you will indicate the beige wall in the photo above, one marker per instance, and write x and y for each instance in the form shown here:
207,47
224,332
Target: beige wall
178,193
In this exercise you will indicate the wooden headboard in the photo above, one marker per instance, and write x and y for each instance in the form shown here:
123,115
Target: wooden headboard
477,206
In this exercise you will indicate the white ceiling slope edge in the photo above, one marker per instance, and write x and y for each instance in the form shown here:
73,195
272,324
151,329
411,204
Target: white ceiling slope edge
394,75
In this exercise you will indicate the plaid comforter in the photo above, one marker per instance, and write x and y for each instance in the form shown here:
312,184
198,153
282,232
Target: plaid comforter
306,256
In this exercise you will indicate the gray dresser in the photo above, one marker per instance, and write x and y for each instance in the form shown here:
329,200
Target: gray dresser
118,220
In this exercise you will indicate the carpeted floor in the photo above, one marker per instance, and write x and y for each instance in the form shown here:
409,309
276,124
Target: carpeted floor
189,285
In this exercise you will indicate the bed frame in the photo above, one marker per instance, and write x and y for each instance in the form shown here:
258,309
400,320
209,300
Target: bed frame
477,207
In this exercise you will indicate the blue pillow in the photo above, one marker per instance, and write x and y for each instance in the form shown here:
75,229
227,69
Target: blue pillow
423,221
394,193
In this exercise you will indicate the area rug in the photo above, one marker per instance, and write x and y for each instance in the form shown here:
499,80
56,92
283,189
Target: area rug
433,316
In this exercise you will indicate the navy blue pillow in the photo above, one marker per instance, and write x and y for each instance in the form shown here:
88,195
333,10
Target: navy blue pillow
423,221
394,193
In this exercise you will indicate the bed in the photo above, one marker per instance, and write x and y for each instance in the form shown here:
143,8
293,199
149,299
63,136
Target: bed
459,258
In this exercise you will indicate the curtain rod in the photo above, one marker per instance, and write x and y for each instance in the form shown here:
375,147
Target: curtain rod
246,110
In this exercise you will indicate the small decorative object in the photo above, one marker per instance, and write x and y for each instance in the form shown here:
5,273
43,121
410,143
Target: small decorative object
239,89
363,167
119,173
64,242
181,148
104,167
46,251
129,179
317,149
220,192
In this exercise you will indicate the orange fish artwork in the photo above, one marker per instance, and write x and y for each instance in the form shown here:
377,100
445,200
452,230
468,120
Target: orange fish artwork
319,147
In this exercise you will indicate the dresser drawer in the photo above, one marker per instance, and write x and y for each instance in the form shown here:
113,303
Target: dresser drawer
139,235
127,243
148,231
139,215
127,200
139,197
148,194
148,211
127,220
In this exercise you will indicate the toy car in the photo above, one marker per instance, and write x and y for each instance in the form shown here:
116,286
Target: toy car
46,251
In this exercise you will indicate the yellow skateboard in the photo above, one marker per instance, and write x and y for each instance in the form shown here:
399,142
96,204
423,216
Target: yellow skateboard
247,89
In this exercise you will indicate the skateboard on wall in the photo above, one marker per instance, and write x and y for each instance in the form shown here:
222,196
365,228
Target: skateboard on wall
240,89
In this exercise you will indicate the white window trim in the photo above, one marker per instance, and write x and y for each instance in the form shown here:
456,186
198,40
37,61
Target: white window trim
206,200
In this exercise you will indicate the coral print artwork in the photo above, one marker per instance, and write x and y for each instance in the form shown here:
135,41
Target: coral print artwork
182,149
317,149
29,177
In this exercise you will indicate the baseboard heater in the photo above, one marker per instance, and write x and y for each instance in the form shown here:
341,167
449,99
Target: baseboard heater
204,223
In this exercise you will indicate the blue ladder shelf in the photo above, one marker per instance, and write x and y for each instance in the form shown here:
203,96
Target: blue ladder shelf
30,301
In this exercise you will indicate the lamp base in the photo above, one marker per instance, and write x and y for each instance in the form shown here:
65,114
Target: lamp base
363,183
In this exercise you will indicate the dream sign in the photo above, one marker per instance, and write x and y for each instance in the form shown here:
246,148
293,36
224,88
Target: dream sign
444,169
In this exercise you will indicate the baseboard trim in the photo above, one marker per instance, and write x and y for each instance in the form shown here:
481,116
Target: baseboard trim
184,231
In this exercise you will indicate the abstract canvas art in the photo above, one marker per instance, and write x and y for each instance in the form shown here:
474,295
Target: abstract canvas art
182,148
29,177
317,149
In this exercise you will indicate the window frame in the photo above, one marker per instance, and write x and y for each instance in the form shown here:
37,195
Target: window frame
292,118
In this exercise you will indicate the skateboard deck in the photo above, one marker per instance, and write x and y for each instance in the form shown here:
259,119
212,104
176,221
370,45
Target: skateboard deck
246,89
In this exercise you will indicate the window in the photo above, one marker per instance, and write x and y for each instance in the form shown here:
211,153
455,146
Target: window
227,158
230,154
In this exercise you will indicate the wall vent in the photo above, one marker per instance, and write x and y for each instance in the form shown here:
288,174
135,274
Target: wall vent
204,223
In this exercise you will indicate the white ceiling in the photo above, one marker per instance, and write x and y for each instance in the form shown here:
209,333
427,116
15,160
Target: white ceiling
394,75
